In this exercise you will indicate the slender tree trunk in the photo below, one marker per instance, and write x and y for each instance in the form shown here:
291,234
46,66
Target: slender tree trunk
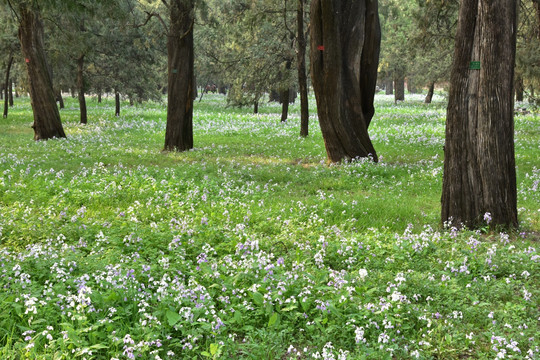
399,84
80,85
479,166
301,65
10,92
99,97
6,86
345,41
285,104
117,103
60,99
519,88
389,86
430,92
47,123
179,131
256,107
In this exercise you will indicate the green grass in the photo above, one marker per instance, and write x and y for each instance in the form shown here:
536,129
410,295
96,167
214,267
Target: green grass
251,246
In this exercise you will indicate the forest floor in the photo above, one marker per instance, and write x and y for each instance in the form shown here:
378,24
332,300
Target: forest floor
251,246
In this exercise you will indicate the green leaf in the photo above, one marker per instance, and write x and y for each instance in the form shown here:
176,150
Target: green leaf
206,353
173,317
273,319
214,349
289,308
258,298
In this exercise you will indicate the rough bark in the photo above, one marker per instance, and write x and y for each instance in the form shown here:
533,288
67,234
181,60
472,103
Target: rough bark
301,66
479,166
179,131
80,86
345,42
47,122
399,87
429,95
116,103
6,86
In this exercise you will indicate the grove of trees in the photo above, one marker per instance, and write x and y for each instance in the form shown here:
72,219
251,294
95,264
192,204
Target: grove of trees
143,49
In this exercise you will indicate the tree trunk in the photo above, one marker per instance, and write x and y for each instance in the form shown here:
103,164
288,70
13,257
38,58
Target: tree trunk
285,104
479,166
10,92
399,84
430,92
301,65
389,86
179,131
117,103
6,85
519,88
345,42
99,97
80,85
411,86
47,122
60,99
256,107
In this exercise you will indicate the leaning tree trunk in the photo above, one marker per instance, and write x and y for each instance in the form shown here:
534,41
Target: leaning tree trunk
301,66
6,86
10,92
479,166
345,42
47,122
430,92
179,131
80,85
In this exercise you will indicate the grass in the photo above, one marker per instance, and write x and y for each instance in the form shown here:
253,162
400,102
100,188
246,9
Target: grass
251,246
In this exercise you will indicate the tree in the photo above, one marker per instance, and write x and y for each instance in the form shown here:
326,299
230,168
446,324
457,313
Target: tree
301,66
479,165
179,130
345,41
47,123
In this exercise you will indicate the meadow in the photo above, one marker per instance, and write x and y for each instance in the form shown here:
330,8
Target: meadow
251,246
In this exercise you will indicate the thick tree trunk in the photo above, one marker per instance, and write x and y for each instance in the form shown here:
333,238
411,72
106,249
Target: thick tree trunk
117,103
6,86
80,85
99,97
479,166
179,131
47,122
256,107
345,42
301,65
285,104
10,92
399,84
430,92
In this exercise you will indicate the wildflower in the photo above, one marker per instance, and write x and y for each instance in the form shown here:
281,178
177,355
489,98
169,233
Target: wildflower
487,217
